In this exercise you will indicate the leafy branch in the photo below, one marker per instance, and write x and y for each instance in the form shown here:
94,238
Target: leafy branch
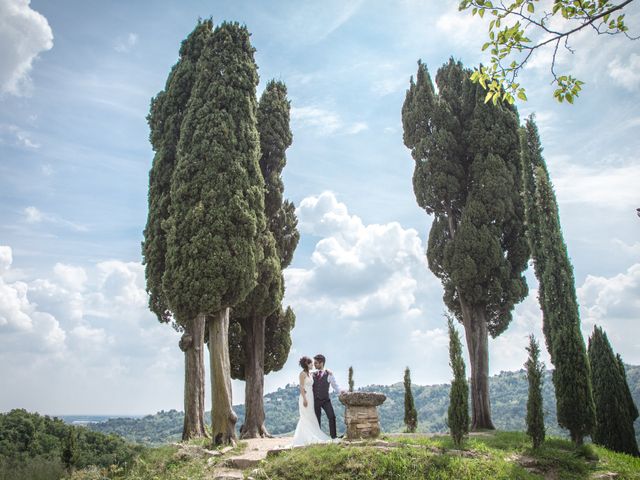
508,40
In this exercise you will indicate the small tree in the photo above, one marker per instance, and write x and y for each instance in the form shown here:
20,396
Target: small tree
410,413
351,379
615,410
70,451
458,414
535,372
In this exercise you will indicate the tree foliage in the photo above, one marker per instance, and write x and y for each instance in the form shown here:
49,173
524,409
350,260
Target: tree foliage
535,376
615,409
351,379
30,442
511,48
282,235
458,412
557,294
217,191
410,413
467,175
165,119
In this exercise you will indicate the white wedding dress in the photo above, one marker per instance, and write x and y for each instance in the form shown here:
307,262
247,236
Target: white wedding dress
308,431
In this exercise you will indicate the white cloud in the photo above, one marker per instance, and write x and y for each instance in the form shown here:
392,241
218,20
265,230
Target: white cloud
14,135
73,278
610,186
6,258
368,288
22,324
626,74
125,44
461,27
33,215
24,34
84,335
324,122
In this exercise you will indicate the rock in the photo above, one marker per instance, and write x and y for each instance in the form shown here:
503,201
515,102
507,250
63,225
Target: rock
242,463
274,452
362,399
227,474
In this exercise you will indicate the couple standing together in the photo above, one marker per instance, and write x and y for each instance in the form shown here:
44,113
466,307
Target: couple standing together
314,397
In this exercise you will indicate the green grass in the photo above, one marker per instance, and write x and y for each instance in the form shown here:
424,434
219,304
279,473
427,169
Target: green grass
160,463
495,455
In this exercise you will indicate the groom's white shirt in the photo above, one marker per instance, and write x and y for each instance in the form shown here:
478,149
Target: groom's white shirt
332,381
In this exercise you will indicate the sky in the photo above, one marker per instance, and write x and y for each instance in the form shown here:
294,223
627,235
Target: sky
76,79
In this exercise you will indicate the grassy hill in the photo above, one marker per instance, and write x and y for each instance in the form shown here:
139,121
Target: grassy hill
496,455
508,404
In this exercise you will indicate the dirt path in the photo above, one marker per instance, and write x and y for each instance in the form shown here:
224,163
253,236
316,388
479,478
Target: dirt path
256,451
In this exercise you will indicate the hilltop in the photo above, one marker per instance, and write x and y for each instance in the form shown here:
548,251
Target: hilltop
508,397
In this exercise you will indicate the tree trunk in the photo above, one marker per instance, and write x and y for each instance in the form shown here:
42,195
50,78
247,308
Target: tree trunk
254,380
477,335
223,418
192,344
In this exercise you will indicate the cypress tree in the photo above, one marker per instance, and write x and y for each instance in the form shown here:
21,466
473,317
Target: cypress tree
165,119
535,376
615,410
557,294
410,413
351,380
458,412
70,450
259,322
467,175
217,205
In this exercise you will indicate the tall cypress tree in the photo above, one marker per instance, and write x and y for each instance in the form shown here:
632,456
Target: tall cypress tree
260,326
535,376
615,410
467,175
217,204
557,294
165,119
410,413
458,412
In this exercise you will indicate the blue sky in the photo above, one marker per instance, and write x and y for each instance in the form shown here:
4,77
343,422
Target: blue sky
76,78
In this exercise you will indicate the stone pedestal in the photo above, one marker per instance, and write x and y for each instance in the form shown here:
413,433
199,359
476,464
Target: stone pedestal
361,413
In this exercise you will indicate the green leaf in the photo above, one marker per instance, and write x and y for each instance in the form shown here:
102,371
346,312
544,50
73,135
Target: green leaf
522,96
569,98
481,13
530,8
488,97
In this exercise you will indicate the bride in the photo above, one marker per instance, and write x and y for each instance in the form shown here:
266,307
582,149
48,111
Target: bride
307,431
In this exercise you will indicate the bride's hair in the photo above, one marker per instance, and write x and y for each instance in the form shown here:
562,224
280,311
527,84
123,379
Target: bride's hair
304,363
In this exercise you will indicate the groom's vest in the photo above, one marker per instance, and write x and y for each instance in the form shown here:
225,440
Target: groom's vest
321,386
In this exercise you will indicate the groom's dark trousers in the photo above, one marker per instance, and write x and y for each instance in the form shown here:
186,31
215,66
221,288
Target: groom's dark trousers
325,405
321,401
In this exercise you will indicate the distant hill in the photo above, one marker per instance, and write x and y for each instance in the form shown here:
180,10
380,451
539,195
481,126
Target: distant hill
508,392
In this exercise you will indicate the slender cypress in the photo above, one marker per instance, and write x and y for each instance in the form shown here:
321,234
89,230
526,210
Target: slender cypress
351,380
217,205
458,413
410,413
615,410
467,174
535,376
165,119
557,294
260,326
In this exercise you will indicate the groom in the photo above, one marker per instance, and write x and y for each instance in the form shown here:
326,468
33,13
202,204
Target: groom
321,380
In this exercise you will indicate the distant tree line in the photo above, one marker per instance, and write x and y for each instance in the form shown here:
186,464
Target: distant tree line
34,446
